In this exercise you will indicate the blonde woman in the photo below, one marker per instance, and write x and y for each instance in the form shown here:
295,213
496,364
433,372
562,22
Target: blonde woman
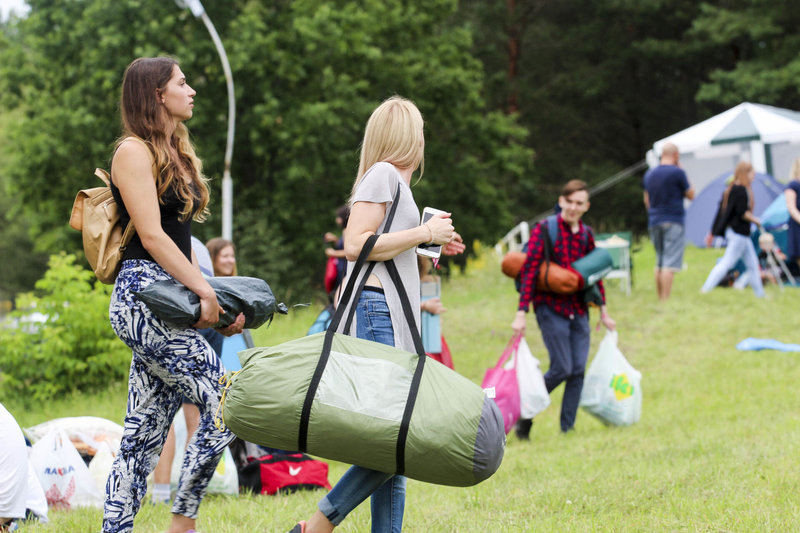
737,214
391,151
158,184
793,205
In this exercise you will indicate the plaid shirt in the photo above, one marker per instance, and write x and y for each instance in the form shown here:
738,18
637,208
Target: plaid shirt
569,247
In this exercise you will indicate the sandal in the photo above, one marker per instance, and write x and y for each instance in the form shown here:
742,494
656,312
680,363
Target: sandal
300,527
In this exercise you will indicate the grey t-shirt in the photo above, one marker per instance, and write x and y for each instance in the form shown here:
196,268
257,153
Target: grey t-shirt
379,185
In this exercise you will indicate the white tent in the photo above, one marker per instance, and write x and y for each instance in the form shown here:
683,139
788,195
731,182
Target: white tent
768,137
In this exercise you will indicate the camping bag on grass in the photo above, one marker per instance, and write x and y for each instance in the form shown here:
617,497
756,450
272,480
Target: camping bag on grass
178,306
612,388
365,403
284,473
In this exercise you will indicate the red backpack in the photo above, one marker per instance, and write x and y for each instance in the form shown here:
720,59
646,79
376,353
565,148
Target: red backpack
283,472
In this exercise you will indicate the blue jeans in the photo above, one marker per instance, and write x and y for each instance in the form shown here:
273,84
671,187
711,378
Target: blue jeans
387,491
738,247
567,343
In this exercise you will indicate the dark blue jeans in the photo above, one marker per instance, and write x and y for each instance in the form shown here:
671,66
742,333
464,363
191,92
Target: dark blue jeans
388,491
567,343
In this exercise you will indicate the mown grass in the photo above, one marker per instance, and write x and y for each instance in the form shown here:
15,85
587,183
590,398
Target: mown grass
716,448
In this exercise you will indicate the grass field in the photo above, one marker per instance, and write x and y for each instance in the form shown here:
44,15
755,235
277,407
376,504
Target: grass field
716,448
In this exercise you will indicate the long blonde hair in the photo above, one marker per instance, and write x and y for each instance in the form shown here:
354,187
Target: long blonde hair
393,134
174,156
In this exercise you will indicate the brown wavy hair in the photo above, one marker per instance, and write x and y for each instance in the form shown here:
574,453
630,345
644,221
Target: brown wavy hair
215,246
174,158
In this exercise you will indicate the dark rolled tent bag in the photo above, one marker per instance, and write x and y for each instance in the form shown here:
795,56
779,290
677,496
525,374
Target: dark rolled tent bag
175,304
360,402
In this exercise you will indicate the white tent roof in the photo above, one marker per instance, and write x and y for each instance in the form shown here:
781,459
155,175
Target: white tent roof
745,122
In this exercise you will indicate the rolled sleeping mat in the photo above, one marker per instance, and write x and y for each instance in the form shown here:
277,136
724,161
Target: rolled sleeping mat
594,266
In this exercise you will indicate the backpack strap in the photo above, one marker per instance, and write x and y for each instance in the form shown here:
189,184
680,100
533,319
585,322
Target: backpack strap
554,232
130,230
553,229
550,237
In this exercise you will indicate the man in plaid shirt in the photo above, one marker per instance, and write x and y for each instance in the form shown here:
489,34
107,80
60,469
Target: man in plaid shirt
563,318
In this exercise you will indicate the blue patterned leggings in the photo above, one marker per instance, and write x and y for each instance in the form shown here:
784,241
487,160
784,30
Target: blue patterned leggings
167,363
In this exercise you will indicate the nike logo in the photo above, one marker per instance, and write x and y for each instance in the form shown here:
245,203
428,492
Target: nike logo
294,471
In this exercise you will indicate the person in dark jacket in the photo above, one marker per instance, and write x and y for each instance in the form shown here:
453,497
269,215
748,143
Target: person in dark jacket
736,215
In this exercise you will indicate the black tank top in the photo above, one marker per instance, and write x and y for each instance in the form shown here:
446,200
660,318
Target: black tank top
179,231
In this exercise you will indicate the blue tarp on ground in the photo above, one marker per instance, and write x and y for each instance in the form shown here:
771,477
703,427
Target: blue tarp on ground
701,212
766,344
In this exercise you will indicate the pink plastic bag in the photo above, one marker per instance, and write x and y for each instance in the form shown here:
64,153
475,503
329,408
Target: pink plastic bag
504,382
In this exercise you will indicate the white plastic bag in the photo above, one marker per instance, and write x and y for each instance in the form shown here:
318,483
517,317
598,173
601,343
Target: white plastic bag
225,479
533,395
62,473
36,500
100,465
88,432
612,387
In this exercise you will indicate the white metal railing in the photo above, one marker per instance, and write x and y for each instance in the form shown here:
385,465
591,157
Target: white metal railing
515,239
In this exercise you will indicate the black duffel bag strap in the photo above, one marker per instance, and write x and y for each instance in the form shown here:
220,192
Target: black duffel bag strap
346,296
402,435
349,322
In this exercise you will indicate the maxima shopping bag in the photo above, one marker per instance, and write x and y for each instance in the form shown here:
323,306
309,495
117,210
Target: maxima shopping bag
360,402
62,473
612,387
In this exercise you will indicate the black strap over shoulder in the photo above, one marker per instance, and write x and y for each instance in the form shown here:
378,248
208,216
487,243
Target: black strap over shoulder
400,461
351,293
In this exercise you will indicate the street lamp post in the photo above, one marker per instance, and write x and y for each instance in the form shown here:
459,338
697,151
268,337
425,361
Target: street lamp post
199,11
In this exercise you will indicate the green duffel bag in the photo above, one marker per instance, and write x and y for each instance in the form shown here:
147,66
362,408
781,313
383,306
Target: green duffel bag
455,435
365,403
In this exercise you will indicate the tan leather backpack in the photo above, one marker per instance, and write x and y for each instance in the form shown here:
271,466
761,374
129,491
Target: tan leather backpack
95,214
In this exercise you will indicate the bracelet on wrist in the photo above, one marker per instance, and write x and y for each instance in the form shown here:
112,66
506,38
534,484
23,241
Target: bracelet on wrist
430,231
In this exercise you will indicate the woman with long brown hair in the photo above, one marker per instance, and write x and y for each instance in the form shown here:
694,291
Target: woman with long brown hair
223,256
736,212
158,184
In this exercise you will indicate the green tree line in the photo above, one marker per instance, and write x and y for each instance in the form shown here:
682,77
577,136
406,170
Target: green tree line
518,97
